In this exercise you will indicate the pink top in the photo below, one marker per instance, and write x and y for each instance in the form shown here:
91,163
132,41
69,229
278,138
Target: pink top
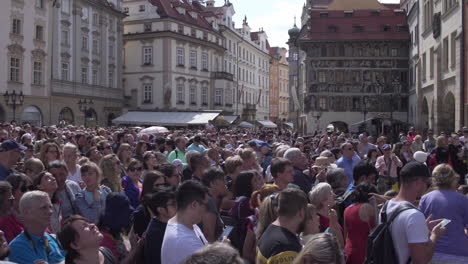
383,166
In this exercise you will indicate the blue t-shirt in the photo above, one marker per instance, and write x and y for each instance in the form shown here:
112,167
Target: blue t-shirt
200,148
348,166
453,206
23,252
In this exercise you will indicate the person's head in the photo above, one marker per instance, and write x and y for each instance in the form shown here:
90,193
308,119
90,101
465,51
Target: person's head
94,155
216,253
134,169
337,178
10,153
199,162
320,249
381,141
110,167
444,177
192,199
418,139
70,153
362,191
6,198
32,167
328,154
371,154
441,142
171,173
36,209
387,150
124,152
45,182
59,170
312,223
260,194
141,148
104,147
151,179
322,196
245,183
282,170
430,133
292,204
233,165
213,178
91,174
249,158
149,160
188,156
415,176
49,152
297,158
20,184
79,235
268,212
180,143
162,202
363,139
117,213
347,150
364,172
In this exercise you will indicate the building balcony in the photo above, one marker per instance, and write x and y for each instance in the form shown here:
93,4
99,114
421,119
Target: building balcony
222,76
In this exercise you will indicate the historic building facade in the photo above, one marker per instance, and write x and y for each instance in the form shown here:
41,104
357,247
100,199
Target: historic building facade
24,43
279,85
356,66
85,50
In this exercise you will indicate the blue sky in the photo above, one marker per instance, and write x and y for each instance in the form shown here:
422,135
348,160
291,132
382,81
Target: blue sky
275,16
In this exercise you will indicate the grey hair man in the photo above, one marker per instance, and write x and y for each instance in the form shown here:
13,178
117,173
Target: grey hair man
300,163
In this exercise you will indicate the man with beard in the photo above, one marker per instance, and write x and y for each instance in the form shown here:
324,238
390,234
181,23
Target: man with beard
280,243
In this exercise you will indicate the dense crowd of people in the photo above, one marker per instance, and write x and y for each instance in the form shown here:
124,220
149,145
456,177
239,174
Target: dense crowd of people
119,195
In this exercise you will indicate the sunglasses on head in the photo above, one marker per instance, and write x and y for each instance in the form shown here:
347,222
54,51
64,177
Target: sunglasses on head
136,169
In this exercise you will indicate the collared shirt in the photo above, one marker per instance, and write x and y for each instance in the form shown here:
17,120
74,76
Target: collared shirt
200,148
177,154
23,251
348,165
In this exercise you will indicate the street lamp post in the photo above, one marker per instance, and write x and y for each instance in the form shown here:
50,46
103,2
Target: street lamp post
84,105
13,100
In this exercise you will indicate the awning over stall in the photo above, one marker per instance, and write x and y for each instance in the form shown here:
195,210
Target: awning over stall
165,118
267,123
231,118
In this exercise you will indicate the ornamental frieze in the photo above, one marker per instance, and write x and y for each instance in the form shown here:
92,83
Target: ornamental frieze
359,63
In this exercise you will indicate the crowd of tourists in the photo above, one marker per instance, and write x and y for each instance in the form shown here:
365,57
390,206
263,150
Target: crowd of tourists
116,195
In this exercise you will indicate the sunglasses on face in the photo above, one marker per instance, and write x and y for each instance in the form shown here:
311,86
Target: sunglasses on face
135,169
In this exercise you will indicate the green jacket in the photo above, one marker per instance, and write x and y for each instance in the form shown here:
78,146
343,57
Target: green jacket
177,154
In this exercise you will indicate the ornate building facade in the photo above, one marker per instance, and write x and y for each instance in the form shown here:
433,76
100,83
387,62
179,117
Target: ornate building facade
356,65
279,85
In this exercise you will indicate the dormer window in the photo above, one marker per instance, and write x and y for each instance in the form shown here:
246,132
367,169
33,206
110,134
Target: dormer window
147,27
142,8
323,14
181,10
193,14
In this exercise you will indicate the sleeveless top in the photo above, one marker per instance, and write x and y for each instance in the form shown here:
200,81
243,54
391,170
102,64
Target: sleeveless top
357,233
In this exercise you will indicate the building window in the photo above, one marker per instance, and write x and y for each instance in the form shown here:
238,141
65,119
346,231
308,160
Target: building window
65,6
332,29
111,79
37,73
84,75
193,94
96,45
40,3
193,32
95,77
84,43
445,56
323,14
229,96
147,55
147,27
394,52
193,59
204,59
65,40
111,50
15,69
453,37
375,13
218,100
39,32
323,103
16,26
180,92
386,28
348,13
126,10
424,73
205,36
180,57
180,28
322,78
431,63
95,18
147,93
204,95
142,8
65,71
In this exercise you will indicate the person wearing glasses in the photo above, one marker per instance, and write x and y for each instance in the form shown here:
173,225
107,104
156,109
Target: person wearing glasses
11,223
132,183
348,160
91,201
183,237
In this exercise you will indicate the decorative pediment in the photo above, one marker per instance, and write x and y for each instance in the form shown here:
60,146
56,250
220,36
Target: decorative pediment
38,54
85,60
111,66
183,79
65,55
193,80
205,83
96,33
112,38
65,22
146,77
85,30
15,49
96,62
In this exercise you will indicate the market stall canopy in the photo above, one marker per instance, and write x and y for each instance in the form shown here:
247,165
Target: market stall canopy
154,130
267,124
246,125
289,124
180,119
231,118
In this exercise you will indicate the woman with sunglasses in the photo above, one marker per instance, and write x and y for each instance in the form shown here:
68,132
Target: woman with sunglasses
132,183
11,224
91,201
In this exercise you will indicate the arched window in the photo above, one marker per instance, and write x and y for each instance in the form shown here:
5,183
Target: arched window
66,116
32,115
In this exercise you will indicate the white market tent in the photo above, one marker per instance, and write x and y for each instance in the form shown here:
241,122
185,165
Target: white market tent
180,119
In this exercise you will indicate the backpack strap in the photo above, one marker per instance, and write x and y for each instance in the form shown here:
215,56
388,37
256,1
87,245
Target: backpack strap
399,209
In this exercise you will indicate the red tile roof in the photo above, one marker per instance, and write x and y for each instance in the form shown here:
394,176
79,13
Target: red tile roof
167,8
372,26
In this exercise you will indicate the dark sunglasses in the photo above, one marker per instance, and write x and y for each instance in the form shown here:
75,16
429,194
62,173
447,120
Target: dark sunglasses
135,169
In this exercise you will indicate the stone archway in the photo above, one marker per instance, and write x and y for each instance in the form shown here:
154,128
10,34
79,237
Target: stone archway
32,115
90,118
66,116
447,115
110,117
340,126
424,118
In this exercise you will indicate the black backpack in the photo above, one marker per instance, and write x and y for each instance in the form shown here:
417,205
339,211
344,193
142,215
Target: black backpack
380,249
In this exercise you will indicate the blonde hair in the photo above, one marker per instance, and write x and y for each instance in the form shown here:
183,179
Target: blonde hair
444,177
122,147
319,193
232,163
71,147
45,148
92,166
247,154
110,172
311,211
440,141
418,138
321,248
267,214
35,166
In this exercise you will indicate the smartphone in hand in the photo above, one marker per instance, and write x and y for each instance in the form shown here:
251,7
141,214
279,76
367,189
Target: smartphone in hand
225,233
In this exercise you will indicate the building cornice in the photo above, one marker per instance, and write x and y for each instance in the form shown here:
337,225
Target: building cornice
241,39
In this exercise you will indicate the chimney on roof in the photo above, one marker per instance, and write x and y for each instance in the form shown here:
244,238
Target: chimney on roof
210,3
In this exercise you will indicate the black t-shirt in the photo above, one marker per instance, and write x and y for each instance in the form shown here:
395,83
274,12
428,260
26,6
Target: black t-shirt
277,245
153,241
141,218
